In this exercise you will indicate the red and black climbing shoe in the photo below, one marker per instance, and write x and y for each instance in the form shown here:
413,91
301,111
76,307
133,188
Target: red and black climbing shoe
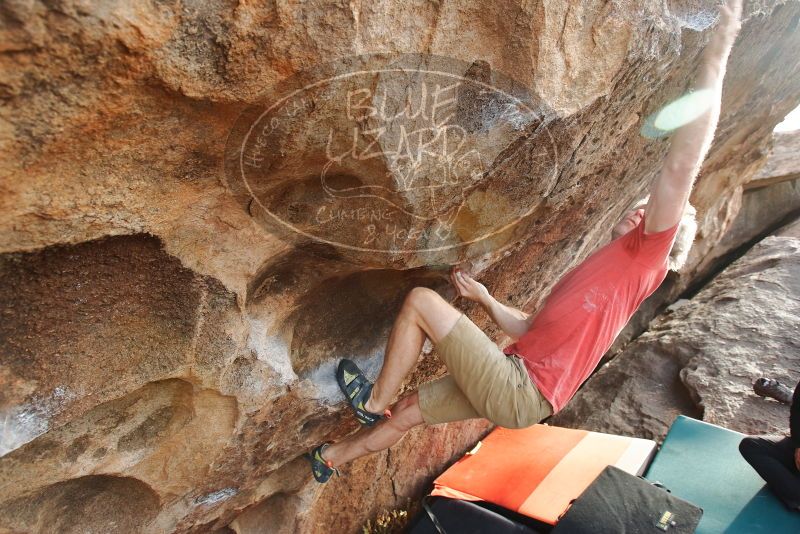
357,389
322,468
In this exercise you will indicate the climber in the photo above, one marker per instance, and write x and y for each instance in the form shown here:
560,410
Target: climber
555,350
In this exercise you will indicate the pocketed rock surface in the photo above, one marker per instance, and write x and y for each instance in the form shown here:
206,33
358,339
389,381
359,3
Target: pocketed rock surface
166,349
702,356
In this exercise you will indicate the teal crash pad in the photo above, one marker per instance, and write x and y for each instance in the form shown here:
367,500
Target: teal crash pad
700,463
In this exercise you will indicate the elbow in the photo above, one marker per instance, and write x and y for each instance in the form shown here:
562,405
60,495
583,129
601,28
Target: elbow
522,330
680,173
513,336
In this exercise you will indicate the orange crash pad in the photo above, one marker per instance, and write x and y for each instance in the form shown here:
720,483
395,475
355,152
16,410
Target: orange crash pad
538,470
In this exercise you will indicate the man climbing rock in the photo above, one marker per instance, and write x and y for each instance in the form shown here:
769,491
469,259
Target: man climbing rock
556,349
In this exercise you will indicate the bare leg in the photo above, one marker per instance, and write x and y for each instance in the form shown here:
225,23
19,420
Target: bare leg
406,415
424,313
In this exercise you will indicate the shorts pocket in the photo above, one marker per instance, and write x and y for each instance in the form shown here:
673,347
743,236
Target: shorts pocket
528,400
525,412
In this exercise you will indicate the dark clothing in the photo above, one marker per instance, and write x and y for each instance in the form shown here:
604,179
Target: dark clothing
773,458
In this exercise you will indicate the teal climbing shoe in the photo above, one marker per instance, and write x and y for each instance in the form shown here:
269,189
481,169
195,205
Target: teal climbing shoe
322,468
357,389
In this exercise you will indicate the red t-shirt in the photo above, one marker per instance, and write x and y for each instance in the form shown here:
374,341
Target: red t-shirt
588,308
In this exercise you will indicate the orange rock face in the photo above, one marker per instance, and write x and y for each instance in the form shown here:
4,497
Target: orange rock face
181,272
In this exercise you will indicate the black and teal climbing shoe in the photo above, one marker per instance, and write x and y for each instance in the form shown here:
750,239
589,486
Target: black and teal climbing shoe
322,468
357,389
769,387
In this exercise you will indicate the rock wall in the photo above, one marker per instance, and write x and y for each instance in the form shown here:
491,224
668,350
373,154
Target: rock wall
771,198
782,164
161,340
702,356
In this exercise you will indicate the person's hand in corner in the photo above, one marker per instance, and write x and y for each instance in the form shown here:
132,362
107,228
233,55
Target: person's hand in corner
468,287
797,459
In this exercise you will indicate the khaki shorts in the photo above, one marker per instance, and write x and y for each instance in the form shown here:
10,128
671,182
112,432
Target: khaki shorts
482,382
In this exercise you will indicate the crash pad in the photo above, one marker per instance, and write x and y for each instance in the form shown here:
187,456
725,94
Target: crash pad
465,517
701,463
537,471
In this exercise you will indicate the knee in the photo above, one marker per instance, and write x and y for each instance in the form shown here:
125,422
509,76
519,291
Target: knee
420,298
748,447
406,414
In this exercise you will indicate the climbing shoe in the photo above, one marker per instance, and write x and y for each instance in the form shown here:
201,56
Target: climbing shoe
769,387
357,389
322,468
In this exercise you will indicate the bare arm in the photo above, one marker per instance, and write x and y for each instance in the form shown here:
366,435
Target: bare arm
512,322
690,143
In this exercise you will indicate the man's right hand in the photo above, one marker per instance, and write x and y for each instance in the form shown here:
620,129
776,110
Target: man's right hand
797,458
468,287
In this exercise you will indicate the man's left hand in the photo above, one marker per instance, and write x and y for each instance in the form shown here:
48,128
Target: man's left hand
468,287
730,22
